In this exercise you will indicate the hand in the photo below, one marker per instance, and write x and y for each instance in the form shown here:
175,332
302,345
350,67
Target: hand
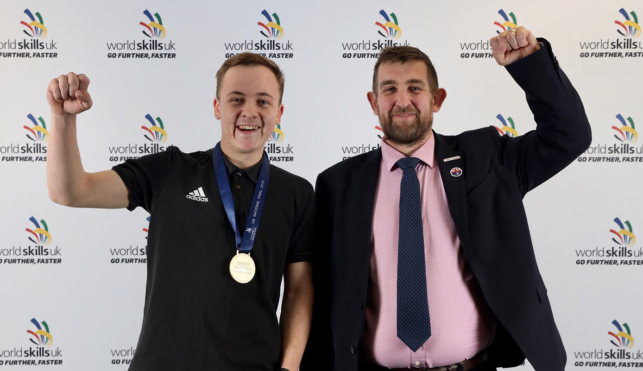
68,94
510,46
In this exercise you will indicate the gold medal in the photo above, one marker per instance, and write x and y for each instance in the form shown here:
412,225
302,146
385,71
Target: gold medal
242,268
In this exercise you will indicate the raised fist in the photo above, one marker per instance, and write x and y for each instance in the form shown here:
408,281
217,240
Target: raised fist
68,94
510,46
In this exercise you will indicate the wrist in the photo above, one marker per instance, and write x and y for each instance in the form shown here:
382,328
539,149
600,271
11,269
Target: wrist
63,118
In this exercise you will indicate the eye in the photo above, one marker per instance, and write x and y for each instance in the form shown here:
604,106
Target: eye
236,100
264,102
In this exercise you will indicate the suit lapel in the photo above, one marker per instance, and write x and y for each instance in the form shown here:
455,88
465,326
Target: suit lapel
365,185
454,186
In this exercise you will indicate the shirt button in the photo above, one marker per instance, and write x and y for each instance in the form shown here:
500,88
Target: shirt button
239,174
417,363
238,186
353,350
360,305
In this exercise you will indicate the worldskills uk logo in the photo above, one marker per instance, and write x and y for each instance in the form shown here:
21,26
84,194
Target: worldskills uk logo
39,235
39,251
507,24
40,355
41,333
153,46
508,127
157,133
379,132
625,236
269,45
271,29
36,28
627,132
156,136
620,355
38,130
38,136
622,252
620,47
629,27
154,29
623,339
33,26
391,30
624,150
276,150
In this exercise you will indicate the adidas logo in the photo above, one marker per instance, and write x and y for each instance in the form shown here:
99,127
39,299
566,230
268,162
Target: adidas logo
197,195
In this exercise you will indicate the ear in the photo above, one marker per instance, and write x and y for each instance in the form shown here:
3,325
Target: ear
438,98
372,99
280,112
217,108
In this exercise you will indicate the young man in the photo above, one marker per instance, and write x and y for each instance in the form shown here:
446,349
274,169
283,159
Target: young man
426,260
214,273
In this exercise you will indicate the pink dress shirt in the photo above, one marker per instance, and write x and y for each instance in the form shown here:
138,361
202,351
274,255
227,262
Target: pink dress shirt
461,322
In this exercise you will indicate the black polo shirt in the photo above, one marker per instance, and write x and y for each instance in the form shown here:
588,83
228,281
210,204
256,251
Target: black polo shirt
196,317
242,185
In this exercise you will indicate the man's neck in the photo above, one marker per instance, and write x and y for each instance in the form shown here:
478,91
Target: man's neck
242,160
409,149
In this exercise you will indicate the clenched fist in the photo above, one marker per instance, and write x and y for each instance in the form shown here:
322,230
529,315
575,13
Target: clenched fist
68,94
510,46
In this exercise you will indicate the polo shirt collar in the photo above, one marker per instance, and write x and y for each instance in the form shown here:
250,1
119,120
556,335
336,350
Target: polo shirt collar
253,172
426,154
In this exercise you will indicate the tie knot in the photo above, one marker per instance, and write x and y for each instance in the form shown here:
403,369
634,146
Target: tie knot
408,163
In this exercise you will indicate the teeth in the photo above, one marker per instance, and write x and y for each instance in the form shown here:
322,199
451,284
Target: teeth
245,127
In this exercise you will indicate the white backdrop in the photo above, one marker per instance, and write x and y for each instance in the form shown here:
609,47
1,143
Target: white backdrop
89,288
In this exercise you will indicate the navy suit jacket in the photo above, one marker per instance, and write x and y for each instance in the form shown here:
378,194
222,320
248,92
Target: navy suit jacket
487,209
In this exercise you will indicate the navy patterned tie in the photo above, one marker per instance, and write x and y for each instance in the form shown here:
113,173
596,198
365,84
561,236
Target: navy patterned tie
413,323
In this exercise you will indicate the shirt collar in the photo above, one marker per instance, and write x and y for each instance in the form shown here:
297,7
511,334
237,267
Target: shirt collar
426,154
253,172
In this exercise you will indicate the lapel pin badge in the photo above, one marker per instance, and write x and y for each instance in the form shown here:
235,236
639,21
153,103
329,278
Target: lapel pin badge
451,158
456,172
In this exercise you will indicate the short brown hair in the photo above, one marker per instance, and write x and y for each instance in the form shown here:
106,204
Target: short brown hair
250,59
403,54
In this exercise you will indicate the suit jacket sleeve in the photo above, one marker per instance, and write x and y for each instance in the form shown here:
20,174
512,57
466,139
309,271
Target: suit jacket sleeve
319,350
563,131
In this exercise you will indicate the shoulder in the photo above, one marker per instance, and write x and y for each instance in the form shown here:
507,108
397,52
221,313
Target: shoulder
346,167
471,142
476,137
289,181
202,158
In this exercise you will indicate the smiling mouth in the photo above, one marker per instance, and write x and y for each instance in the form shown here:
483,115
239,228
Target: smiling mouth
247,128
404,116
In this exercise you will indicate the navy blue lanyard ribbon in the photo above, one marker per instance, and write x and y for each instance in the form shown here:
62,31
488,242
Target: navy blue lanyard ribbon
258,199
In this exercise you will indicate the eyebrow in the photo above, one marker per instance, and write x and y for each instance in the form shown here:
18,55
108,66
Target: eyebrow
407,82
415,81
260,94
387,82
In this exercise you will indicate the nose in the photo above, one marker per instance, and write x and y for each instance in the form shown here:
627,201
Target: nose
403,99
249,111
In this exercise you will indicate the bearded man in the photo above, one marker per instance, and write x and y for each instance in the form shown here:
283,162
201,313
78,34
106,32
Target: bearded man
424,258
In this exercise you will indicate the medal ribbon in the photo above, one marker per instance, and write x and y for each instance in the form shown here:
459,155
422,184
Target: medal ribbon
256,208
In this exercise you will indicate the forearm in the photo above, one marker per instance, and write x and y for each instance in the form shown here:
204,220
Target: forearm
65,173
296,314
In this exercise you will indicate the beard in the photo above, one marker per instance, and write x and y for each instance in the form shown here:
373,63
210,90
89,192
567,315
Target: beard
410,131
